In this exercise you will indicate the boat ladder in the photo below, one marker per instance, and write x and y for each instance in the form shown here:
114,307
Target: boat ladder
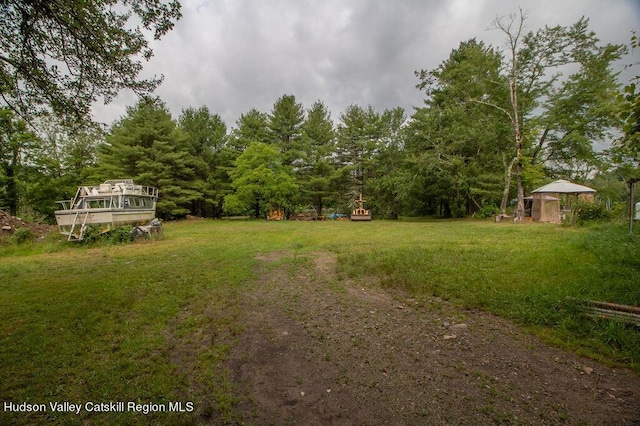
85,216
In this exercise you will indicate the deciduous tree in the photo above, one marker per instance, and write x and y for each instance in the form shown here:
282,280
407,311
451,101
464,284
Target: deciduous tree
64,55
553,118
15,141
629,112
261,181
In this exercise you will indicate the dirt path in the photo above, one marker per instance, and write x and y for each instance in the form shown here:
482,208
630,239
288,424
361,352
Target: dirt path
317,350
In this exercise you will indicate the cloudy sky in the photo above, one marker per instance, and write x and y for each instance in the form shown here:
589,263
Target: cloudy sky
234,55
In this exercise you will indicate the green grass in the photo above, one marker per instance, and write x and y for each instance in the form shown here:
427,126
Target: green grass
527,273
107,322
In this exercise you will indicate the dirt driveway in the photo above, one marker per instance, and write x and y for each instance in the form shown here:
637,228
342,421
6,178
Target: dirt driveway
317,350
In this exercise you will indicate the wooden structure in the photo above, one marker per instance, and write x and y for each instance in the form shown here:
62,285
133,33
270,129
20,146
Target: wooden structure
306,215
360,213
276,214
632,182
610,311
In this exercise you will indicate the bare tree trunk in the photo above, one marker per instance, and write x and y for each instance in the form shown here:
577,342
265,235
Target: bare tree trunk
519,213
515,111
508,170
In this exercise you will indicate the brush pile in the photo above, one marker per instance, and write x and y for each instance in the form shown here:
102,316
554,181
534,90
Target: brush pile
9,224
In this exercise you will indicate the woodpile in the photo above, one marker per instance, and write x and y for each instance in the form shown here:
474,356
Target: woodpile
611,311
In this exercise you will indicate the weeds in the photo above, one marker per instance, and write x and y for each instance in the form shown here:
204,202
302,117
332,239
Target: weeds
22,235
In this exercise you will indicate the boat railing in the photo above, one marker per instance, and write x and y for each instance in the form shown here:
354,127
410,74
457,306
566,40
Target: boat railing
66,204
107,189
148,191
119,188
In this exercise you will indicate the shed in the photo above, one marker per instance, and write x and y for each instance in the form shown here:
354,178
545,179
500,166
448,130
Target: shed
547,199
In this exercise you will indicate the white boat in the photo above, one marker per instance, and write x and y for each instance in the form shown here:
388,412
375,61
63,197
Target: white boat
107,206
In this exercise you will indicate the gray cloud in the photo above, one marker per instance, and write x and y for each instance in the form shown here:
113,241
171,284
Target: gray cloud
235,55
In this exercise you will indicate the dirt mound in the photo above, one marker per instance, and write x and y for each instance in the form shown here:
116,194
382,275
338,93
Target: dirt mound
9,224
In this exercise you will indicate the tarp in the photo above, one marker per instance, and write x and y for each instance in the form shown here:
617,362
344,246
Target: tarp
564,187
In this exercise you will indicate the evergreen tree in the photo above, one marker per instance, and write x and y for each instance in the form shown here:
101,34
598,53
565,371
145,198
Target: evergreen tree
457,145
206,136
285,125
251,127
358,135
148,147
316,174
391,181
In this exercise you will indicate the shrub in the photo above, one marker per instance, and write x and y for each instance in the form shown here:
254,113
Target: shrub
587,211
121,235
22,235
93,234
488,211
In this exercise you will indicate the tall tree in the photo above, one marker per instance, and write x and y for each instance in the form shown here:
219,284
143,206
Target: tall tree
458,145
64,55
285,124
580,111
358,135
61,161
629,112
533,74
251,127
206,136
15,142
547,111
147,146
316,173
391,181
261,181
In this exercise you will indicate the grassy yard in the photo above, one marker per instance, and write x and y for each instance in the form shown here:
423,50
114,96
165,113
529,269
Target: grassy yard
101,323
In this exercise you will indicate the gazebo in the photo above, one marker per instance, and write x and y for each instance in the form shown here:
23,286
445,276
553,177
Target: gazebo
547,199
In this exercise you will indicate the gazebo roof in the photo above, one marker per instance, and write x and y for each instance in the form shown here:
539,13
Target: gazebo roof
564,187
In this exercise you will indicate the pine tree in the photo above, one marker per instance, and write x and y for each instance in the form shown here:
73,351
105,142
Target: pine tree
285,125
206,136
148,147
316,173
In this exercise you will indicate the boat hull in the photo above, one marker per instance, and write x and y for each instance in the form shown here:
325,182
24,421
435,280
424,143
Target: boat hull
73,223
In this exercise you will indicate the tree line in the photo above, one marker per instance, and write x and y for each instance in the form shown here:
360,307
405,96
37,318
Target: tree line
495,124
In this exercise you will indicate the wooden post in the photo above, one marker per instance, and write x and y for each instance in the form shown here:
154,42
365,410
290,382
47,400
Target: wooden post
632,183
